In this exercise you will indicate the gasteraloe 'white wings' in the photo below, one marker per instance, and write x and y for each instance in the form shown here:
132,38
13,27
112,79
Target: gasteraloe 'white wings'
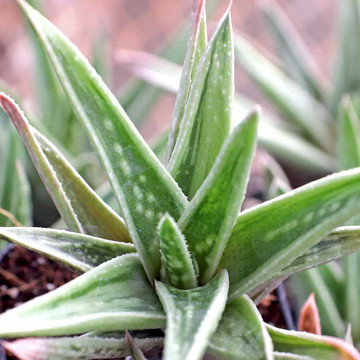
141,184
210,217
270,236
114,296
241,334
192,317
76,251
207,115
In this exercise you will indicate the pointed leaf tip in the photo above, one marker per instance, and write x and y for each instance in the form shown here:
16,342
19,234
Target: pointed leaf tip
309,319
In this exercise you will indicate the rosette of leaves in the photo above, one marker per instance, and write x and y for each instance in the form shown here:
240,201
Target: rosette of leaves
182,258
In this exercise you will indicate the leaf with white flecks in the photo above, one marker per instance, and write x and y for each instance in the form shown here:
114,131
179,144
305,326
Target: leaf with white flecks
220,197
143,187
192,317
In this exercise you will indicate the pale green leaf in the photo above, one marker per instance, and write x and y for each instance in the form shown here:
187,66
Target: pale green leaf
192,317
289,356
177,265
346,70
76,251
77,348
211,215
315,346
135,350
268,237
298,105
349,135
241,334
82,210
114,296
286,145
195,49
141,184
293,52
207,115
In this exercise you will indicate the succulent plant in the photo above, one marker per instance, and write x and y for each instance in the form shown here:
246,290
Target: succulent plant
181,257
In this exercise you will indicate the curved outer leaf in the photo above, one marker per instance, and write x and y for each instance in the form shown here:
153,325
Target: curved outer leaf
284,144
114,296
80,207
241,334
177,266
315,346
298,105
339,243
195,48
207,115
293,52
289,356
209,219
192,317
143,187
270,236
77,251
76,348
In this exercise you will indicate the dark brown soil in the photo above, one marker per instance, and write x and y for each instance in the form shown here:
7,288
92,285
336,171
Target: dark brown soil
25,275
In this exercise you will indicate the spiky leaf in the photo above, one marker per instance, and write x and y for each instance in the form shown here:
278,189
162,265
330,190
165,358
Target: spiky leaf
207,115
76,251
114,296
241,333
80,207
314,346
177,265
209,219
192,317
142,186
270,236
76,348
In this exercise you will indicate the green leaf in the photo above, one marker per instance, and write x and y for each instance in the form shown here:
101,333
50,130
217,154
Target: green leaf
177,264
289,356
241,333
135,350
315,346
77,348
142,186
192,317
346,71
286,145
293,52
209,219
114,296
349,138
298,105
77,251
82,210
195,49
340,242
292,223
207,115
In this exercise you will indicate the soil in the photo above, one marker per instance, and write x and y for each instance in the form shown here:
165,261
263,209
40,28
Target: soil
25,275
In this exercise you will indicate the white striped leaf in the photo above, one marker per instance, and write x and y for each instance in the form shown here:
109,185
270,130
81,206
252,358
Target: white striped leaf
177,264
114,296
143,187
268,237
211,215
192,317
207,115
77,251
241,333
